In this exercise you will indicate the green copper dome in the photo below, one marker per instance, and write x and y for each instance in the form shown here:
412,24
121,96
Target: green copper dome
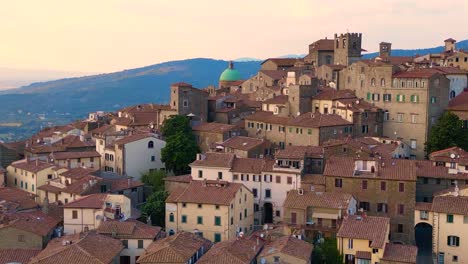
230,74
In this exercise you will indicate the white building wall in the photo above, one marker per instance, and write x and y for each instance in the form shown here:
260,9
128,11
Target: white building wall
458,82
138,156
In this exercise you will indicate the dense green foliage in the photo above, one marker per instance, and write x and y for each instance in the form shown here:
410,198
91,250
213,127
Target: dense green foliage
181,148
327,252
448,132
155,205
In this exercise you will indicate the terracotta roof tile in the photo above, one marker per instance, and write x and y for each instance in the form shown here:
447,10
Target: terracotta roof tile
90,201
206,192
323,45
332,200
133,138
90,248
280,99
242,251
317,120
450,204
333,94
288,245
282,61
460,102
22,199
400,253
426,168
373,228
248,165
182,178
423,206
17,255
460,155
300,152
267,117
419,73
35,222
129,229
75,155
214,127
220,160
178,248
243,143
33,166
363,255
314,179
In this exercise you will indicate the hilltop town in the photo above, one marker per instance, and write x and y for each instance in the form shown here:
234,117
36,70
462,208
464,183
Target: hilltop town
329,158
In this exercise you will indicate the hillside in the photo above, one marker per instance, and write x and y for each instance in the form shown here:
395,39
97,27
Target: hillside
412,52
68,99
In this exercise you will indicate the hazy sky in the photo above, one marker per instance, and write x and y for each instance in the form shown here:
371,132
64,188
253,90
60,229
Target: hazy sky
111,35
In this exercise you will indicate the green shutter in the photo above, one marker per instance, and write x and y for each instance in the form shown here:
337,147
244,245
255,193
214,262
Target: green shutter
403,98
369,95
398,97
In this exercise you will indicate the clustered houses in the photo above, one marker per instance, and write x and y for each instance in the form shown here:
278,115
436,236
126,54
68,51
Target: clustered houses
307,148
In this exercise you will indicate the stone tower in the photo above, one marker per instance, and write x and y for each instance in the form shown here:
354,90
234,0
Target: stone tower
347,48
385,49
450,44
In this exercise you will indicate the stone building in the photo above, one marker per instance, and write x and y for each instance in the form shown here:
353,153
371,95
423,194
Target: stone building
381,187
347,48
245,147
276,64
412,101
207,135
186,100
320,52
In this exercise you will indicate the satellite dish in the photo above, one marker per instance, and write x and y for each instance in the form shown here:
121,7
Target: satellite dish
262,261
265,227
452,156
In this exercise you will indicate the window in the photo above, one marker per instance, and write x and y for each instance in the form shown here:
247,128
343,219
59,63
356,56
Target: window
125,243
414,98
454,258
382,82
278,179
184,219
350,243
217,207
386,116
413,119
400,98
365,206
289,180
278,213
375,97
364,129
372,83
74,214
413,143
220,175
465,219
200,220
171,217
401,187
449,218
184,205
383,186
400,117
401,209
400,228
245,212
423,215
32,187
151,144
200,206
338,183
382,208
433,99
256,207
217,237
309,131
453,241
364,184
20,238
276,259
217,220
255,192
153,158
387,97
369,96
267,193
140,243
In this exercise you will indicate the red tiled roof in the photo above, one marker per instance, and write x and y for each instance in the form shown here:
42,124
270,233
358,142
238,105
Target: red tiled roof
333,200
450,204
220,160
22,199
178,248
91,201
460,102
288,245
214,127
423,206
400,253
317,120
35,222
282,61
243,143
363,255
323,45
248,165
75,155
275,74
241,251
280,99
300,152
397,169
182,178
333,94
314,179
90,248
425,168
133,138
17,255
267,117
419,73
373,228
129,229
206,192
33,166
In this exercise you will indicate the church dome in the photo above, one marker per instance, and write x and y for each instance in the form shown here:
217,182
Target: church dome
230,74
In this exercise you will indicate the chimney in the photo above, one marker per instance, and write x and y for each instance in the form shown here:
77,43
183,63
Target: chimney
129,182
45,205
37,161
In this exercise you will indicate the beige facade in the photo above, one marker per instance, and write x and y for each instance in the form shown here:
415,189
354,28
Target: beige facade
216,221
88,212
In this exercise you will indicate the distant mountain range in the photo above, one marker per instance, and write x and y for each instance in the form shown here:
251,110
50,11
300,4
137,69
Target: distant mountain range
67,99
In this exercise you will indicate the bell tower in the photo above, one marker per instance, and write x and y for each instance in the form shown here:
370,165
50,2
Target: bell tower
347,48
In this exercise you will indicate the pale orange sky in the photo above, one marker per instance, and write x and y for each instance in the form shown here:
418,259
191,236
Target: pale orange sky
111,35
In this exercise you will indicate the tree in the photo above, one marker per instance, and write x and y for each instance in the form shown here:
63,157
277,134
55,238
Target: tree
327,252
181,147
448,132
155,206
176,124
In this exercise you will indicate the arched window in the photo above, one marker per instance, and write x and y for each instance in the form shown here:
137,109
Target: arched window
382,82
151,144
372,82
